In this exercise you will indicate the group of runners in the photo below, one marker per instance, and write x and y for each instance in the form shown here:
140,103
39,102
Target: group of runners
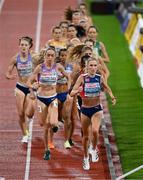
63,83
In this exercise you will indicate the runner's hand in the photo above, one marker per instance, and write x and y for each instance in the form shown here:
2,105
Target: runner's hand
11,76
113,101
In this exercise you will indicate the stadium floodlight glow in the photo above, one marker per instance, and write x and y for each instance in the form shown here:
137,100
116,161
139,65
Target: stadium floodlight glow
135,10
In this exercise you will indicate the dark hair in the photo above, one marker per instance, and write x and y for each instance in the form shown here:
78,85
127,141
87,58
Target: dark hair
62,50
72,25
89,40
82,4
81,32
55,27
47,49
28,39
68,13
63,22
75,12
94,27
50,48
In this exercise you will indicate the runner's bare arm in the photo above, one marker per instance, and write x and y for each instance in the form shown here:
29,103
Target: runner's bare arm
105,56
10,69
33,78
109,91
77,87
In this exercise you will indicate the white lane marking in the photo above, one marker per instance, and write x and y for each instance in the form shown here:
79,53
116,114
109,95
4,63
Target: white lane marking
38,27
1,4
28,158
2,178
37,46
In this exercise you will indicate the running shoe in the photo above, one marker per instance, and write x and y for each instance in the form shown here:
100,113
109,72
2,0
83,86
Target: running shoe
67,145
94,155
25,139
47,155
90,148
71,142
55,129
86,164
51,145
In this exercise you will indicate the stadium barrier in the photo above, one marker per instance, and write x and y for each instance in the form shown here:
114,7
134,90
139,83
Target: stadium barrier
131,24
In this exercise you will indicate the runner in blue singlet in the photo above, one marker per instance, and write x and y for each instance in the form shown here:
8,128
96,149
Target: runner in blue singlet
89,86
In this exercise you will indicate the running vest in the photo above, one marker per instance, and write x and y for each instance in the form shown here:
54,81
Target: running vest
24,68
97,49
91,86
48,76
62,79
58,45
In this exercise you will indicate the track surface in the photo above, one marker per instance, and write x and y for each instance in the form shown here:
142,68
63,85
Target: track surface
18,18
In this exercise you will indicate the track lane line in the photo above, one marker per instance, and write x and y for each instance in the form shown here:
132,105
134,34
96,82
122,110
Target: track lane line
1,5
28,157
37,46
1,178
39,23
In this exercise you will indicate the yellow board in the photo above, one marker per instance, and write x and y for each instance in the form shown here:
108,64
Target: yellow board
131,26
138,53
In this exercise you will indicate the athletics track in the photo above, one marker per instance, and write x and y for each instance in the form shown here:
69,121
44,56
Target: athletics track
17,162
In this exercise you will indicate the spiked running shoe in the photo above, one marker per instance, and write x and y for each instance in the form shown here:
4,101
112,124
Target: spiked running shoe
94,155
86,164
25,139
47,155
67,145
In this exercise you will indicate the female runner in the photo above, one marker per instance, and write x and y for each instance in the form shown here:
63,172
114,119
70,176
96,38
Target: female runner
89,86
46,74
24,62
64,100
